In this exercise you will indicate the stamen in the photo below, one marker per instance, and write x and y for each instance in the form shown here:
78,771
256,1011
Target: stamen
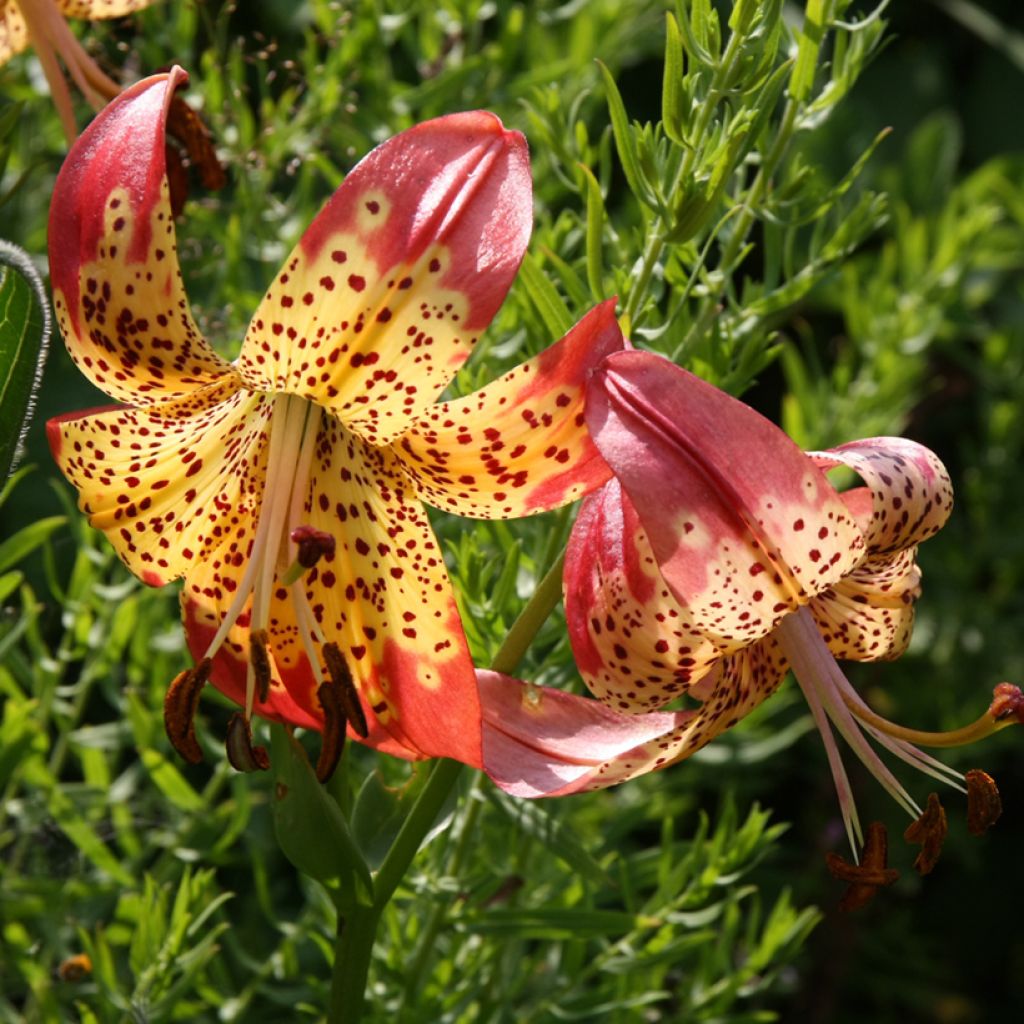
334,732
869,875
180,706
341,677
929,831
983,803
244,757
259,658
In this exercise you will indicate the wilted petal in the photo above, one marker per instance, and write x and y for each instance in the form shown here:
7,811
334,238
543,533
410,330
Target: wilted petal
743,525
911,492
633,643
113,257
167,483
383,298
520,444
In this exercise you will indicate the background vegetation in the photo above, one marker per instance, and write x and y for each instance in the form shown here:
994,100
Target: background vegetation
771,237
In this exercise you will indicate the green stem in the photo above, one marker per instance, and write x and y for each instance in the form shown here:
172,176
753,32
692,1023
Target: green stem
357,929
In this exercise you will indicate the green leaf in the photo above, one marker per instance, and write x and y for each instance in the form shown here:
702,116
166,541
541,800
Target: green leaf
544,295
26,540
625,143
24,335
309,825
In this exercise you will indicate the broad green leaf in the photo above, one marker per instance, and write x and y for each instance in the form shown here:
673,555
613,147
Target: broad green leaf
24,334
26,540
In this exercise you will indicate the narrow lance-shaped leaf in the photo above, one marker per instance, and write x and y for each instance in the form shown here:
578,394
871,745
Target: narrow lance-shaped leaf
24,335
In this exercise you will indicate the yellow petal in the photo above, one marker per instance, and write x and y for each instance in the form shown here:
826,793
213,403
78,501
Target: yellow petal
94,10
386,293
13,32
519,445
167,483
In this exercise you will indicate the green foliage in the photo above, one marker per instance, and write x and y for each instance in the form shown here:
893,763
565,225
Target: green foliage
726,170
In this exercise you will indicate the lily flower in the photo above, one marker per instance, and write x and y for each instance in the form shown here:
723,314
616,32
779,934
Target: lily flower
286,487
42,24
719,558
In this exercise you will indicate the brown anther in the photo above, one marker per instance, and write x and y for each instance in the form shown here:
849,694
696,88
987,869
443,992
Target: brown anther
983,803
180,706
313,545
332,741
869,875
1007,701
244,757
259,658
930,832
75,968
194,148
341,677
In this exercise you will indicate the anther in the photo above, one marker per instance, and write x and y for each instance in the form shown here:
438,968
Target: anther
313,545
335,729
869,875
929,831
259,657
341,677
244,757
983,803
180,706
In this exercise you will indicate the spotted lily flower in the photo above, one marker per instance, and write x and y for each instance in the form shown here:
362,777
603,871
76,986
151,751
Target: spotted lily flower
721,557
286,487
42,24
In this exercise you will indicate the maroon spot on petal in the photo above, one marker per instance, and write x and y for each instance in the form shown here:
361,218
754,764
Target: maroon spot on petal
339,256
356,283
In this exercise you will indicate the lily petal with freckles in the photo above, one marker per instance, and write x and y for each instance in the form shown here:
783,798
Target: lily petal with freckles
325,427
720,558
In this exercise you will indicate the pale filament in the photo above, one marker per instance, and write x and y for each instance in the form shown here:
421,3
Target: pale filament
52,38
293,426
828,690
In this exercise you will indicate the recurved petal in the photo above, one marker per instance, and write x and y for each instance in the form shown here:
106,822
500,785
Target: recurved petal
167,483
743,525
542,742
117,287
383,298
633,644
13,31
94,10
384,597
910,489
869,614
519,445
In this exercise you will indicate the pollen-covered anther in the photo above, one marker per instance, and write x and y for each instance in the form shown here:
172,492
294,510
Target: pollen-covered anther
867,877
929,831
259,657
313,545
341,678
332,742
180,706
1007,702
244,757
983,802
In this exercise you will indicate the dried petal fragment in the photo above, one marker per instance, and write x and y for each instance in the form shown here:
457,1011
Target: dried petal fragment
984,805
929,831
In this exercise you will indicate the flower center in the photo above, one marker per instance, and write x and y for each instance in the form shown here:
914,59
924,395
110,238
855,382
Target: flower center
293,428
